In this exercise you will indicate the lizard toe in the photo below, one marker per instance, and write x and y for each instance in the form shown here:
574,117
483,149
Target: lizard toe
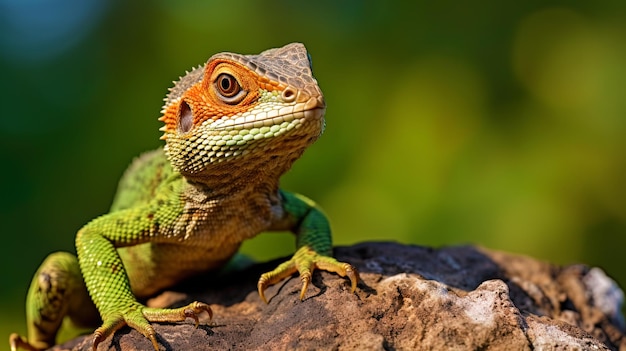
18,342
305,261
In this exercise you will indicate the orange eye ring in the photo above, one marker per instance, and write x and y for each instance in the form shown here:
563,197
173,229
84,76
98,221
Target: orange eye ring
228,89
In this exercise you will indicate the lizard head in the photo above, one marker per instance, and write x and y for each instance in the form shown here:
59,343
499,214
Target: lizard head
265,109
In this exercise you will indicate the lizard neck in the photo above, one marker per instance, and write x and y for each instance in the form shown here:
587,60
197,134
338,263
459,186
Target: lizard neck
258,171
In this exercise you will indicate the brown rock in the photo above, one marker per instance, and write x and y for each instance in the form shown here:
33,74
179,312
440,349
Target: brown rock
410,298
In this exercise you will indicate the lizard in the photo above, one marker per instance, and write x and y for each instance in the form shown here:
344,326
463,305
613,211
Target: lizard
232,127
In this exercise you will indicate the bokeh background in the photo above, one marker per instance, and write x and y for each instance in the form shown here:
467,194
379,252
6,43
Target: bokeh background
494,123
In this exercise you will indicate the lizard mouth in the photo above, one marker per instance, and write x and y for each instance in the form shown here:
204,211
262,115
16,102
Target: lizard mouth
276,117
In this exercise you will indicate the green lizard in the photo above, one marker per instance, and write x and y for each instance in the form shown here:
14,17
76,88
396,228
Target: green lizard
231,128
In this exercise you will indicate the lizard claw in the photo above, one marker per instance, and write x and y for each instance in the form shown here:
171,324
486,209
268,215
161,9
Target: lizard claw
281,272
107,328
140,317
101,334
353,274
194,309
305,261
306,279
17,342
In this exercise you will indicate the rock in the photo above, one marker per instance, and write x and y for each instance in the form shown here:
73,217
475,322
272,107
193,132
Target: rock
410,298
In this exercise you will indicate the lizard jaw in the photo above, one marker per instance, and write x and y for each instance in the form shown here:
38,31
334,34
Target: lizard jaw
215,142
312,109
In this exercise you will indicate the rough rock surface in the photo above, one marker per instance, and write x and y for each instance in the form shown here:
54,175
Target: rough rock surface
410,298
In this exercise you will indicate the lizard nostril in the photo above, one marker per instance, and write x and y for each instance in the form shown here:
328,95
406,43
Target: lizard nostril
289,94
185,117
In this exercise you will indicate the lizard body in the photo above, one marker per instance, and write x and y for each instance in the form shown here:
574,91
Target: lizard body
232,127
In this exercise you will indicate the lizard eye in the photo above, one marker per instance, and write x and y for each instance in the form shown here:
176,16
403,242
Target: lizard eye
229,89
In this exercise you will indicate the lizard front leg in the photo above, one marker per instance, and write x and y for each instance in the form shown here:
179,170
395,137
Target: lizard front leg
106,277
314,247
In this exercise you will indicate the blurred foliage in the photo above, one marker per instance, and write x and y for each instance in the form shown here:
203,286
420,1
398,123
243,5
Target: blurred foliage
494,123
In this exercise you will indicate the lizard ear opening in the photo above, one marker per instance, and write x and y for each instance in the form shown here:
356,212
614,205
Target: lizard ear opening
185,117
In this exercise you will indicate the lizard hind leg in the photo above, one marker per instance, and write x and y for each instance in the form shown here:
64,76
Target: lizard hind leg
56,291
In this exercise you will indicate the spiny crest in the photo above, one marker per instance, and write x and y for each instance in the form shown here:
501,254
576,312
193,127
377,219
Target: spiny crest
182,84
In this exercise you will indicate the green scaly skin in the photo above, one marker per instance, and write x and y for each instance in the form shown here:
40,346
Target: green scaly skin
232,128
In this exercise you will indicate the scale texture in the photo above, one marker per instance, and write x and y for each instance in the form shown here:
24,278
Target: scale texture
232,127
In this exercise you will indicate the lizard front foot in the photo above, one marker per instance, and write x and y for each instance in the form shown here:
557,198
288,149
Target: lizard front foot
139,316
305,261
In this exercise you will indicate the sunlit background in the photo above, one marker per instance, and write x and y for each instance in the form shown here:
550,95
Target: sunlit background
448,123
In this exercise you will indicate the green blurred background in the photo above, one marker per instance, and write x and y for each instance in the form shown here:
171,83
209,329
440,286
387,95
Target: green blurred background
494,123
